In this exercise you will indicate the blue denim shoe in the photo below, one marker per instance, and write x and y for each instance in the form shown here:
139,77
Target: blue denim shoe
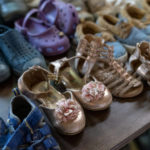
4,69
17,51
4,134
28,129
123,31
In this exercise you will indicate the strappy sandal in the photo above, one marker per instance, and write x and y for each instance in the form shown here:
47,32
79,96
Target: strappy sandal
106,69
139,61
63,110
88,27
93,95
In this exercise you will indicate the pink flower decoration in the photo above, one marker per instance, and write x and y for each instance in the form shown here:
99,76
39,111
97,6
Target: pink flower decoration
93,91
67,110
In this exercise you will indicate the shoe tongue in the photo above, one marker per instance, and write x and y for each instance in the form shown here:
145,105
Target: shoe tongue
124,28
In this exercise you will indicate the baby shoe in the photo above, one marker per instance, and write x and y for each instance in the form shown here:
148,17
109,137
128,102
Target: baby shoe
48,40
28,128
137,16
101,65
139,61
66,19
81,8
4,69
17,51
12,9
64,112
92,94
88,27
123,31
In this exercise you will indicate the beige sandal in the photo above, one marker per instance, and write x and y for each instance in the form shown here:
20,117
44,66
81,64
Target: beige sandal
64,112
139,62
93,95
103,66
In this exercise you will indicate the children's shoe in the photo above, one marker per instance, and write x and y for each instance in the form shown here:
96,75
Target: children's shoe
12,9
123,31
81,8
91,28
4,133
91,94
139,61
137,17
17,51
66,19
28,128
63,110
4,69
100,62
48,40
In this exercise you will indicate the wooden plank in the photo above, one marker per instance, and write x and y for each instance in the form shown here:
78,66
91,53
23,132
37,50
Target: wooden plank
105,130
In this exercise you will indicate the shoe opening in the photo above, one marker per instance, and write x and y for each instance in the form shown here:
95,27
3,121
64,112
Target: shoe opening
90,28
135,12
20,107
34,76
110,19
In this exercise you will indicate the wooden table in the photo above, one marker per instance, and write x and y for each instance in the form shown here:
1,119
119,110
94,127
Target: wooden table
105,130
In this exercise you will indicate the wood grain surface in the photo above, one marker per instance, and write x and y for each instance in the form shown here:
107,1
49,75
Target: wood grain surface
105,130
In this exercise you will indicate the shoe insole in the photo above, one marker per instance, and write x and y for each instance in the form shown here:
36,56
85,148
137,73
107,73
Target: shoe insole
51,98
72,80
35,27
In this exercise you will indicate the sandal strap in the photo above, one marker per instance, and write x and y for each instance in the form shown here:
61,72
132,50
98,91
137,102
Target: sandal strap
51,6
28,16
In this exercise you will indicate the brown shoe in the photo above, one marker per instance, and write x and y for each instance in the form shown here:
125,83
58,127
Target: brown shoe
64,112
136,16
119,29
89,27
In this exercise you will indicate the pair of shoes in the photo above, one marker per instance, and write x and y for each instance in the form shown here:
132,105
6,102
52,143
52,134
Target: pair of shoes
16,52
123,31
139,61
88,27
105,69
47,31
26,127
61,90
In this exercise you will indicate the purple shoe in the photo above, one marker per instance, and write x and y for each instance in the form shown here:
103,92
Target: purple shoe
48,40
64,15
